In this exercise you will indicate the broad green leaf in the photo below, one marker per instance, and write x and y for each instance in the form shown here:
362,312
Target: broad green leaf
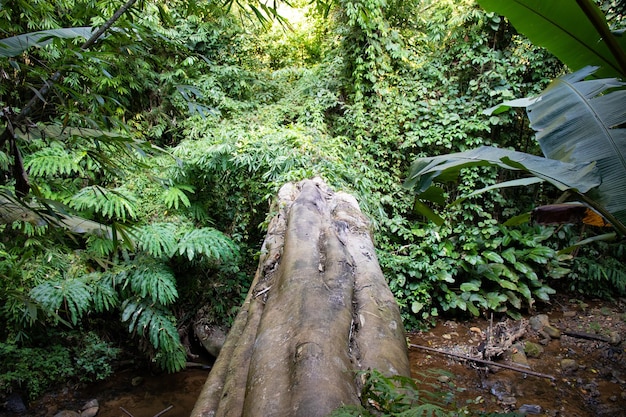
544,292
506,105
416,307
517,220
509,255
427,212
15,45
578,36
508,285
525,291
444,168
495,299
472,309
445,276
521,182
559,272
488,272
513,299
473,285
493,256
600,238
581,121
506,272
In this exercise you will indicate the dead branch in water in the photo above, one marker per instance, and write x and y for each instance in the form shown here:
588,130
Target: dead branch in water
485,362
160,413
587,336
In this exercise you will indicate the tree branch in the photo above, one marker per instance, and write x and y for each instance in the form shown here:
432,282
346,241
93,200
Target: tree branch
45,89
484,362
19,173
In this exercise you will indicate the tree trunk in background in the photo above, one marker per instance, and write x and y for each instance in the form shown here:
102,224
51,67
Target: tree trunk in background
318,310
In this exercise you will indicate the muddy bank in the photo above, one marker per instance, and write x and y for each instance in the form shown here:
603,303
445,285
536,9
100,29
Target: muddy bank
589,376
140,393
583,377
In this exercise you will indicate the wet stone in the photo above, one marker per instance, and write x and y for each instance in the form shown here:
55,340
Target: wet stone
538,322
15,404
443,379
136,381
552,331
530,409
569,366
90,404
508,400
532,349
615,338
518,356
67,413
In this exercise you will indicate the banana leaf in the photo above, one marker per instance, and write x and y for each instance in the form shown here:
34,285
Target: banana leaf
580,120
579,128
576,32
15,45
445,168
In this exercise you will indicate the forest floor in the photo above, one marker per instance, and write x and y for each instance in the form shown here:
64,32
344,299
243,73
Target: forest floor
580,377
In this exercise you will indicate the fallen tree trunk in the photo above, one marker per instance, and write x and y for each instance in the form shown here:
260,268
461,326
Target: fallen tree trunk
318,311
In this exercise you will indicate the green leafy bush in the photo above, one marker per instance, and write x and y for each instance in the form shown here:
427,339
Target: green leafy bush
472,269
597,270
65,358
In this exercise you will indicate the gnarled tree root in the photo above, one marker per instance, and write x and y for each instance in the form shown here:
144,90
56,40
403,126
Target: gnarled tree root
318,311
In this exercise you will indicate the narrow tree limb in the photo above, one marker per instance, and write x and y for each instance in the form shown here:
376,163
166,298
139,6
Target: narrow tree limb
19,172
485,362
160,413
126,412
588,336
45,89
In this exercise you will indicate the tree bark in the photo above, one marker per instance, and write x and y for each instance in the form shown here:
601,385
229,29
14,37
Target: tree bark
318,311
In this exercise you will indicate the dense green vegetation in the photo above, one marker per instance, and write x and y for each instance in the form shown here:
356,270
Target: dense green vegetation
135,192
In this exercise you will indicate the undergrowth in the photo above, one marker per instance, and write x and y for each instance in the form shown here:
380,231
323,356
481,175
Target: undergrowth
61,359
400,396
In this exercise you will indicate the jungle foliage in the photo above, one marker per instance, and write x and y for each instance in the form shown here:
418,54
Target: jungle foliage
403,397
155,156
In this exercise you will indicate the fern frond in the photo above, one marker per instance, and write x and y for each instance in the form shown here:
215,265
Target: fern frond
103,294
109,203
154,281
208,242
174,360
73,295
175,195
51,161
157,324
157,239
131,310
101,246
